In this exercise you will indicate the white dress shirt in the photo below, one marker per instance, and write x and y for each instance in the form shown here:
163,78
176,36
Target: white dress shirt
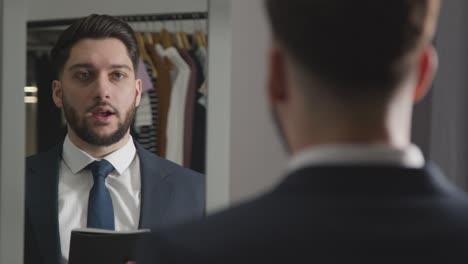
409,157
75,183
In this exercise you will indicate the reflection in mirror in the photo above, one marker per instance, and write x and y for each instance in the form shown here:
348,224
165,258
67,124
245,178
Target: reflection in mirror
72,126
153,123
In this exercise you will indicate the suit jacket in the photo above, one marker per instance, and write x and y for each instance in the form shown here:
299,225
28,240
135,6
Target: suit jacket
341,214
170,194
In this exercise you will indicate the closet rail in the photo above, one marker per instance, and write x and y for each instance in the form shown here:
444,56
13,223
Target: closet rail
127,18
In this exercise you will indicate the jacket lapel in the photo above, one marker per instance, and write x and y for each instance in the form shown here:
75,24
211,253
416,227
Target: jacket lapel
42,189
156,191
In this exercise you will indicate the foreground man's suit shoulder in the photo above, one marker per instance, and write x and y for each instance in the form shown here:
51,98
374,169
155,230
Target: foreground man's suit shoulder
170,194
331,214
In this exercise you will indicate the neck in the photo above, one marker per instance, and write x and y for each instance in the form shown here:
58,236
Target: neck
320,118
392,130
344,136
97,151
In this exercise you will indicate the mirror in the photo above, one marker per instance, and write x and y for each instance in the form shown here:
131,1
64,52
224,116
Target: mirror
155,180
183,30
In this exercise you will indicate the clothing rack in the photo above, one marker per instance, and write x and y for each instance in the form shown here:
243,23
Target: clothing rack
126,18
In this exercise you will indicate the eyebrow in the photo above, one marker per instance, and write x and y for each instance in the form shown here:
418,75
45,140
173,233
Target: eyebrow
120,66
91,66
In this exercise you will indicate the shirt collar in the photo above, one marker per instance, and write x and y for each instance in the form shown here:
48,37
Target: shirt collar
77,159
409,157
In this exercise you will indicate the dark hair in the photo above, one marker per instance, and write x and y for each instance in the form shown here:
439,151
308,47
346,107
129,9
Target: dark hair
93,27
362,47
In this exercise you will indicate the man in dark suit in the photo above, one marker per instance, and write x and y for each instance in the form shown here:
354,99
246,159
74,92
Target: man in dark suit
99,177
342,78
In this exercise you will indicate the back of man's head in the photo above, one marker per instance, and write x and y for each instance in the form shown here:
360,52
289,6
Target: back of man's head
362,48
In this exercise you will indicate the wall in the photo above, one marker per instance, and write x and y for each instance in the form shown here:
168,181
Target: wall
12,128
51,9
257,159
449,145
244,154
57,9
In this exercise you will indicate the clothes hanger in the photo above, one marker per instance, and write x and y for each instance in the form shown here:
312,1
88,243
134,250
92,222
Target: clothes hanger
147,35
183,35
166,37
157,39
186,41
203,37
139,36
178,37
200,36
196,38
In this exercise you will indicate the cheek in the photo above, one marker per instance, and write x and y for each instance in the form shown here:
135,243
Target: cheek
126,98
75,101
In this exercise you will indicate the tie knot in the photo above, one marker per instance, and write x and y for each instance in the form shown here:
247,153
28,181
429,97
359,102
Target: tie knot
100,168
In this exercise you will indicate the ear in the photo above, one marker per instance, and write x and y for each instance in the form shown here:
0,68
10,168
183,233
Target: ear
57,93
276,84
427,68
138,86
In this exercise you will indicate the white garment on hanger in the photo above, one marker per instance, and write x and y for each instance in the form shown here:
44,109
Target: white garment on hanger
176,114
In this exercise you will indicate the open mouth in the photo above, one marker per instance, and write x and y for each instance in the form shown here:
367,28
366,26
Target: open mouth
102,113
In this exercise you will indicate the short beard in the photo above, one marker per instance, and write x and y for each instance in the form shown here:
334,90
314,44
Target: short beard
84,132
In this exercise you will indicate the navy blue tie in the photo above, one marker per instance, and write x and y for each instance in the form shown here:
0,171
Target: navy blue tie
100,210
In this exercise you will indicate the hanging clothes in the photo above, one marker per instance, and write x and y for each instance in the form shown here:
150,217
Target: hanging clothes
143,114
146,135
189,107
201,54
163,89
143,132
198,153
175,127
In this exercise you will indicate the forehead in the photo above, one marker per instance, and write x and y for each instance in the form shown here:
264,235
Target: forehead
99,53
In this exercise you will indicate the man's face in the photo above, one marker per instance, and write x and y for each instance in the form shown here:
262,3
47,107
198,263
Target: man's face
98,91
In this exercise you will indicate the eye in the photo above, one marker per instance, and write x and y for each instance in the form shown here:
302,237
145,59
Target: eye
83,75
118,75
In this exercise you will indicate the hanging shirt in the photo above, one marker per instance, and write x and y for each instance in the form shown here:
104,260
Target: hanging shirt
189,107
201,54
163,90
124,185
143,116
198,153
144,130
176,113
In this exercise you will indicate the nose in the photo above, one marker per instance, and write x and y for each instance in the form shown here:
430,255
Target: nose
102,88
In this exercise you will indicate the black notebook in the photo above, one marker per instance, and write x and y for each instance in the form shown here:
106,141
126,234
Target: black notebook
89,245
